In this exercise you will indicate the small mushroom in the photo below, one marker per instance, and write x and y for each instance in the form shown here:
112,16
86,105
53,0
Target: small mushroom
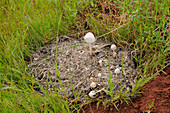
91,79
92,94
100,62
113,47
127,81
89,38
117,71
99,75
93,85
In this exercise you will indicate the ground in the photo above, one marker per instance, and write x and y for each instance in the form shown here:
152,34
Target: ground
157,91
83,72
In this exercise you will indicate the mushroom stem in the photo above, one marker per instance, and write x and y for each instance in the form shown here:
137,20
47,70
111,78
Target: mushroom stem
90,49
116,76
114,54
100,90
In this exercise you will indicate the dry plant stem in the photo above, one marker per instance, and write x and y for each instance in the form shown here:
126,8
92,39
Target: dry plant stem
90,49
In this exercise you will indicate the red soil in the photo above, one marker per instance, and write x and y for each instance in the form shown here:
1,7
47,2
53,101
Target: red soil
157,90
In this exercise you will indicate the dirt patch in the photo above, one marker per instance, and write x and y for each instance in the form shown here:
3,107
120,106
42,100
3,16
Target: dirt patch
77,70
157,91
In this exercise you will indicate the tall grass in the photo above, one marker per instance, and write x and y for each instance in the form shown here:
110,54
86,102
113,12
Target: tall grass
27,25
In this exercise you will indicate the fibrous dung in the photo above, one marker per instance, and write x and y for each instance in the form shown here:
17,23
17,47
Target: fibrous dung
76,69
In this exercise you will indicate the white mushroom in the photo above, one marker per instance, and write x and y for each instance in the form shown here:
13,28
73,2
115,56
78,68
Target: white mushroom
93,85
117,70
100,62
99,75
113,47
92,94
89,38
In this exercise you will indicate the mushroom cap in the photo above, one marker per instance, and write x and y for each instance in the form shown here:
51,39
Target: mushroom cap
100,61
92,94
117,70
93,85
99,75
91,79
113,47
89,37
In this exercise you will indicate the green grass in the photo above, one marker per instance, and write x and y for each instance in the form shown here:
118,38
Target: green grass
27,25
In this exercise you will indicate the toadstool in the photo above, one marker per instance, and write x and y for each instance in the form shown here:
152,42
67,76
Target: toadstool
92,94
89,38
93,85
117,71
100,62
99,75
113,47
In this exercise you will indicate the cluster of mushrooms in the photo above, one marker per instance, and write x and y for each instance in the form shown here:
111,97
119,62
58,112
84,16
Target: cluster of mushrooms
89,38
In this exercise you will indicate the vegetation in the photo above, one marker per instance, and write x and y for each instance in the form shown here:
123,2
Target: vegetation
28,24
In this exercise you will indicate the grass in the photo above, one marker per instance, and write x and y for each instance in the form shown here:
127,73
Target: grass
150,106
26,25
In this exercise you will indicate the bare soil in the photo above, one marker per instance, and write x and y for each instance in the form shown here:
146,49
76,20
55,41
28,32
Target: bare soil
157,91
77,69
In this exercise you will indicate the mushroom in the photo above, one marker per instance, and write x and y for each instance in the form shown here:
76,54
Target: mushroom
100,62
99,75
92,94
89,38
91,79
93,85
117,71
113,47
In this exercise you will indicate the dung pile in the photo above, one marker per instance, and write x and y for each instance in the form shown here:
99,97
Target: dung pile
76,69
